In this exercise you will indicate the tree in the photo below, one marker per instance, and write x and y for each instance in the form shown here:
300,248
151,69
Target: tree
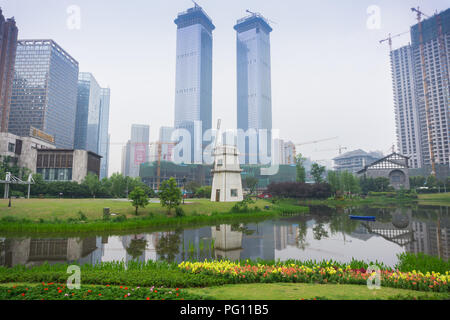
139,198
192,186
251,183
92,183
317,171
169,194
301,172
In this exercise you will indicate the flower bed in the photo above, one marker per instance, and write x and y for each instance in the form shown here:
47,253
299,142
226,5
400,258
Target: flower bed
241,273
54,291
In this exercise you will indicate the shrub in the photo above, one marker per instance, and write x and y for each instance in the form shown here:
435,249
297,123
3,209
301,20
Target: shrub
179,212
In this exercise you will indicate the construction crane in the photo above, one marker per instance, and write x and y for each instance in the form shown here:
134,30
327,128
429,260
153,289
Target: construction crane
389,39
305,143
425,88
340,149
260,15
158,167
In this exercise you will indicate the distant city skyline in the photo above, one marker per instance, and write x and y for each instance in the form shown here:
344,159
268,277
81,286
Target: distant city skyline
330,76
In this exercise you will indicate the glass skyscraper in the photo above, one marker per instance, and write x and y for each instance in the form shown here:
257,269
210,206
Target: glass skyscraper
103,140
254,98
87,122
8,46
193,92
44,94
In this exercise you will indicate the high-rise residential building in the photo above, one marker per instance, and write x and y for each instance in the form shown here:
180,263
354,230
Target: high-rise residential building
137,149
87,123
193,87
104,137
433,106
44,93
254,98
406,115
8,46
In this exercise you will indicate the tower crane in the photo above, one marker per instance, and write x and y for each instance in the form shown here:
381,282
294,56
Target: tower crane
340,149
390,37
308,142
425,88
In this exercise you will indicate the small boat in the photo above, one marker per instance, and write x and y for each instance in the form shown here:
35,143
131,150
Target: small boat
366,218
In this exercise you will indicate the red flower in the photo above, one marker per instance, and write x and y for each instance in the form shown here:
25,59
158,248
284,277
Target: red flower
59,291
148,298
99,294
45,289
23,294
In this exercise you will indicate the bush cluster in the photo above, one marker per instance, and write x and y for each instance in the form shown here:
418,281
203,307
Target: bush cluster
300,190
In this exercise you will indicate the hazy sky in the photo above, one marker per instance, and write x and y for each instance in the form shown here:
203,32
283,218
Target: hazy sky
330,75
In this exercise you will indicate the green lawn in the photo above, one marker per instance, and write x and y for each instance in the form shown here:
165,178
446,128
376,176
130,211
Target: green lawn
435,198
296,291
63,209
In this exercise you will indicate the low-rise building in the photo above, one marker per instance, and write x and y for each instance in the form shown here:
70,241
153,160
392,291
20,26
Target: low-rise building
67,164
355,160
22,151
394,167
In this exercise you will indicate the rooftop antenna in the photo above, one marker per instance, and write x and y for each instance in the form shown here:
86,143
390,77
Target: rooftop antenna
195,4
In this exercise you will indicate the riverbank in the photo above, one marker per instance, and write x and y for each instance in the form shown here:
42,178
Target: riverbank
442,199
225,280
86,215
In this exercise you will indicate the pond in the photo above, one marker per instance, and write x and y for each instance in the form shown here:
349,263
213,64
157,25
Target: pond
324,233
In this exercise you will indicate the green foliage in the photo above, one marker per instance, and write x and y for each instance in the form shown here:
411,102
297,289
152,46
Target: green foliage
192,186
55,291
250,183
300,168
92,183
170,194
379,184
203,192
317,172
82,216
139,198
408,262
343,182
179,212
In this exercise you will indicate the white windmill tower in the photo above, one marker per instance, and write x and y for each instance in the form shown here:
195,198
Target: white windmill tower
227,183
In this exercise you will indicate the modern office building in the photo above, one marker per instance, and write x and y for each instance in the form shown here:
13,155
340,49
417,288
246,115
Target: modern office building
8,46
254,98
406,115
87,123
136,150
92,119
193,87
44,93
103,136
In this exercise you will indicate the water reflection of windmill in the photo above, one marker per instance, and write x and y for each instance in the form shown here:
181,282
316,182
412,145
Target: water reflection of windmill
227,241
398,230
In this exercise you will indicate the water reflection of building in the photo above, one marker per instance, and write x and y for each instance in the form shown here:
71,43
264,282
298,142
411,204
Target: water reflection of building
285,235
31,252
227,241
432,238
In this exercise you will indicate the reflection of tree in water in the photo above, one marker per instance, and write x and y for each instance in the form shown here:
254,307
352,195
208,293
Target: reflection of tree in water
169,245
319,231
342,223
136,248
236,227
301,236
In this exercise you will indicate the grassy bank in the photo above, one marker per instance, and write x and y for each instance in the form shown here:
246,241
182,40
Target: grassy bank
86,215
438,199
442,199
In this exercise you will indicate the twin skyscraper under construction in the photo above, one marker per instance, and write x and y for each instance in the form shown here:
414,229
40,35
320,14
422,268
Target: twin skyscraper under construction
193,92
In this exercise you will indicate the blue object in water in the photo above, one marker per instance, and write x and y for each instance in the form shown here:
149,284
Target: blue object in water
367,218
